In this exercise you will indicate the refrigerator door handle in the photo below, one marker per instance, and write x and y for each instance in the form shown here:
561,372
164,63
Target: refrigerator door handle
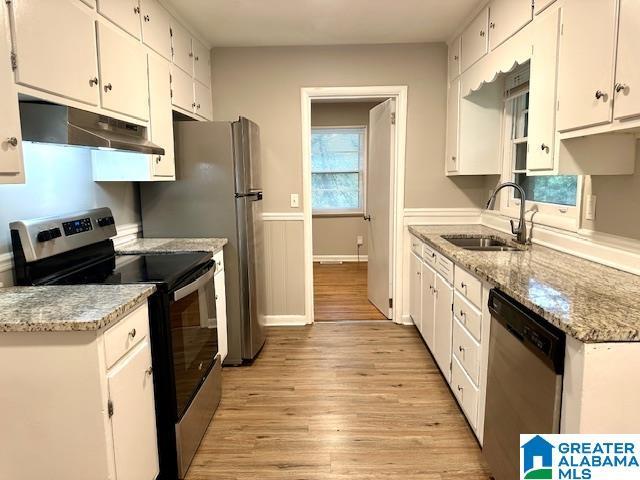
258,195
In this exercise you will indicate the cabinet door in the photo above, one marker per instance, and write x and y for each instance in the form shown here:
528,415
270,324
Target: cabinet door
123,73
201,63
453,124
506,18
428,305
56,48
134,419
540,5
203,100
156,27
182,89
161,115
475,40
443,326
454,58
221,310
587,43
542,92
627,88
182,48
415,291
124,13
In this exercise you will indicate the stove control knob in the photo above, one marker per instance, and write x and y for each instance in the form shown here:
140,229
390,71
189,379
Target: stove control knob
105,221
55,233
44,236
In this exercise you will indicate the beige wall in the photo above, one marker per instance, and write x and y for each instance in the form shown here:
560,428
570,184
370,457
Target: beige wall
337,235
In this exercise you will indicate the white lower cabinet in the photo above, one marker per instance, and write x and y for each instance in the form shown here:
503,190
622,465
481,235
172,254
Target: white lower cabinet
465,392
221,307
415,285
84,415
428,300
443,325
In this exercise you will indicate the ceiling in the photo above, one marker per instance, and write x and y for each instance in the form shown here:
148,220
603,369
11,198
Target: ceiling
243,23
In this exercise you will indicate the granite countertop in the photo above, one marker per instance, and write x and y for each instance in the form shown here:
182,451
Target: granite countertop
171,245
588,301
68,307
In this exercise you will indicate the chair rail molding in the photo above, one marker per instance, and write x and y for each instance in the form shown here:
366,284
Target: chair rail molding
283,216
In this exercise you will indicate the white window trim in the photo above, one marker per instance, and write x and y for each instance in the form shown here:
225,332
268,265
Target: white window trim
363,179
549,214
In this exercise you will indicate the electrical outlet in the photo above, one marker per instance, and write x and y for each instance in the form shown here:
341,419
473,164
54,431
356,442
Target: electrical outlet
590,208
295,200
359,240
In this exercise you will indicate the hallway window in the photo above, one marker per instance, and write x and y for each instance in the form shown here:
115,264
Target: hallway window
337,169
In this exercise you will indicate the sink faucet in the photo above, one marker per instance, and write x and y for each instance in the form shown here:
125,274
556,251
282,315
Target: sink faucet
521,230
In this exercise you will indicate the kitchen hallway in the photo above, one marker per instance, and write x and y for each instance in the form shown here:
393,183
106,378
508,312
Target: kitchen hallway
339,401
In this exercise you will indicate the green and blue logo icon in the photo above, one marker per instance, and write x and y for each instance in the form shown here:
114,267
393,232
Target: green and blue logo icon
537,459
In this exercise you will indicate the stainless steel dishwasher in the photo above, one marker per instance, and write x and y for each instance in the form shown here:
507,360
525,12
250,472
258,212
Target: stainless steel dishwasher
524,382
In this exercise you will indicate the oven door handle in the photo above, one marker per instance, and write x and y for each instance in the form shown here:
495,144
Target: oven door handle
194,286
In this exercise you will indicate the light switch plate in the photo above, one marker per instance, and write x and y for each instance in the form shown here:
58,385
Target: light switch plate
359,240
295,200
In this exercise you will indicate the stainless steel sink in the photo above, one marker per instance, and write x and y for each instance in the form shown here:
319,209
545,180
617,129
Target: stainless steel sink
480,244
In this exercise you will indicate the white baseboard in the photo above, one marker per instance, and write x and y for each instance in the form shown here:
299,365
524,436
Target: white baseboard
283,216
285,320
406,320
340,258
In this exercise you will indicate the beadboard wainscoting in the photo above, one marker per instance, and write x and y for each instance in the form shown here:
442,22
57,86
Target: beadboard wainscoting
340,258
284,269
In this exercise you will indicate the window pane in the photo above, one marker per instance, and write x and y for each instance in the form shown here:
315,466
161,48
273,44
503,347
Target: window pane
559,189
336,151
335,191
520,116
520,151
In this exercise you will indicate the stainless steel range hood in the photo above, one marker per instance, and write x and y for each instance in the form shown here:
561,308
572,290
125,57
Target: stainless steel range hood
50,123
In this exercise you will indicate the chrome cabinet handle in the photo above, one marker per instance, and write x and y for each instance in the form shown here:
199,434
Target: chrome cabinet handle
108,87
136,10
492,25
147,18
463,285
193,105
460,389
158,159
13,141
600,94
198,107
482,33
132,333
463,314
620,87
544,147
149,371
93,81
456,57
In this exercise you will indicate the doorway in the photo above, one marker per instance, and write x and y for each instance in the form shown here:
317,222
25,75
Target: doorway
353,154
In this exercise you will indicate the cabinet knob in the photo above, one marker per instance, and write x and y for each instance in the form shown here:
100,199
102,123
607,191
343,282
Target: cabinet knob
132,333
149,371
190,54
198,106
482,33
544,147
463,315
463,285
158,159
197,58
93,81
13,141
108,87
620,87
460,389
492,25
461,348
600,94
453,158
456,57
147,18
136,10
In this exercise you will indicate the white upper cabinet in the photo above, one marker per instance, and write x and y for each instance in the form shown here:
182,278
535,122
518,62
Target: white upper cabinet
201,63
454,59
507,17
182,48
56,48
203,101
182,89
627,86
124,13
586,72
11,167
453,115
542,92
123,73
475,40
156,27
161,115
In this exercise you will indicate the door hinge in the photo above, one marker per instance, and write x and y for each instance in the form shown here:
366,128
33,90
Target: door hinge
393,118
171,93
452,307
170,32
110,408
14,61
391,303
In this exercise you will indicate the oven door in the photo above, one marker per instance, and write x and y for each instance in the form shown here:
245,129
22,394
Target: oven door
194,337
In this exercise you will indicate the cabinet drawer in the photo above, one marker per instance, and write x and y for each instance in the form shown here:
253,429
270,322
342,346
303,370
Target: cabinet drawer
466,350
444,266
468,315
429,255
465,392
126,334
218,258
469,286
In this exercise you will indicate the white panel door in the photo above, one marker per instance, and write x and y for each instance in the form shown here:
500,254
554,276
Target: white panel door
203,100
124,13
453,126
182,89
542,92
443,326
587,45
182,48
156,27
415,291
428,305
123,73
627,88
134,418
56,48
379,204
10,131
161,115
506,18
475,43
201,63
454,58
221,311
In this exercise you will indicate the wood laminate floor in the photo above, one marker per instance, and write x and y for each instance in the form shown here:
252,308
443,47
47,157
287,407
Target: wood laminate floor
340,293
343,401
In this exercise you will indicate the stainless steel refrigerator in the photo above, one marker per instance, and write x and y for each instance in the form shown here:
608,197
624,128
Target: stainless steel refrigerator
217,193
